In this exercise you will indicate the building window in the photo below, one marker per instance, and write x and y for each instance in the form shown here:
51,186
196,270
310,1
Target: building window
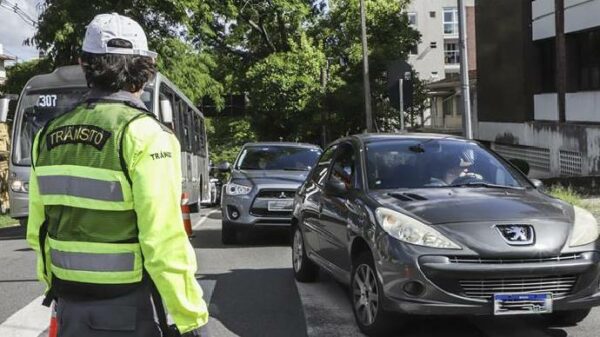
432,14
433,45
412,19
451,53
451,21
414,50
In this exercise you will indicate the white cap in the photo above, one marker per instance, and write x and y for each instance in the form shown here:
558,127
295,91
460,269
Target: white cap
107,27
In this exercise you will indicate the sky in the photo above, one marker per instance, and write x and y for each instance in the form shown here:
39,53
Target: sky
13,30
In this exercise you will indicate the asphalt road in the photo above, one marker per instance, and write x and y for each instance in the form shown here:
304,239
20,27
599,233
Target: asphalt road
252,293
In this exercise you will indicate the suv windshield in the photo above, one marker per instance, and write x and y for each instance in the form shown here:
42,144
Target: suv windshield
278,158
37,107
438,163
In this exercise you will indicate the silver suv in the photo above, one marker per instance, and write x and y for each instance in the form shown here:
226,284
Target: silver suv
263,182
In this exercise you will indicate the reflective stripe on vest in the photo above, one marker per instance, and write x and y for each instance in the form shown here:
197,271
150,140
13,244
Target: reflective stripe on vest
84,187
81,187
93,262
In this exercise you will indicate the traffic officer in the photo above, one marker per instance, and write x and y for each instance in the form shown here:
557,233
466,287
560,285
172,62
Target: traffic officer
104,208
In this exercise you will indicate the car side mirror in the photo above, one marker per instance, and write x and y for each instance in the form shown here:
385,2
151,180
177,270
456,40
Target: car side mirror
224,167
521,164
538,184
335,187
166,111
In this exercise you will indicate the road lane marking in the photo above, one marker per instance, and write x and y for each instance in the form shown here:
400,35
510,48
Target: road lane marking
204,218
30,321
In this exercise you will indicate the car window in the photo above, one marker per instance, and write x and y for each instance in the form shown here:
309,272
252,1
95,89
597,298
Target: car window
436,163
322,168
271,157
343,170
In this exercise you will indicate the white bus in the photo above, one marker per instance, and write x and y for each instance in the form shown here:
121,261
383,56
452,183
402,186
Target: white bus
47,96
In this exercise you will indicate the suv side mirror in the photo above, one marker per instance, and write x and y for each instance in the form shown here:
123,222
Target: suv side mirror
224,167
521,164
335,187
166,110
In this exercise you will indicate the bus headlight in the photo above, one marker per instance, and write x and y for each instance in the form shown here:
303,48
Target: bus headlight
19,186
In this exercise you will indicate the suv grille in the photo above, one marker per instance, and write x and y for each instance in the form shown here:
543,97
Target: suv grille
559,286
474,259
276,194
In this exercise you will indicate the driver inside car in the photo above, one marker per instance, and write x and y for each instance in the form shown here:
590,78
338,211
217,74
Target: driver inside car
458,168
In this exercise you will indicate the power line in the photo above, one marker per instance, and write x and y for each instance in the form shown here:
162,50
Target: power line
17,10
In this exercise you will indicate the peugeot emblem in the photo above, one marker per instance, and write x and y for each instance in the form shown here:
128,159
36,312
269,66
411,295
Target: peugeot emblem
517,235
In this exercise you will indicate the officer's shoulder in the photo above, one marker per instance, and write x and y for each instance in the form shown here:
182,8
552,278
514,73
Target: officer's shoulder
148,126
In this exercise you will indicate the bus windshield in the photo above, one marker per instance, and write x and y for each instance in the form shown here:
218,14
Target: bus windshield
37,107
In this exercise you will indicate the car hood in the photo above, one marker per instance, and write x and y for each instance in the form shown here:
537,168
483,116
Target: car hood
258,177
452,205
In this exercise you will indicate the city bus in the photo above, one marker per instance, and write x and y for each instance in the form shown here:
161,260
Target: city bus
47,96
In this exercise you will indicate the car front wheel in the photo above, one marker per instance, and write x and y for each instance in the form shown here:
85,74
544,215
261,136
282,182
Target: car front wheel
367,298
304,269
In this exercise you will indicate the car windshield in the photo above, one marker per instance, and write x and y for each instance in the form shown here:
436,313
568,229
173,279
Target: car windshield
278,158
436,163
37,107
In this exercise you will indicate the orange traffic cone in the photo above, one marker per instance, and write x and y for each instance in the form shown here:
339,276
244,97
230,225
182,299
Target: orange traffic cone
185,213
53,330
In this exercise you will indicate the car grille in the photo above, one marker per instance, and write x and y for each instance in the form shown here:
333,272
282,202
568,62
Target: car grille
276,194
559,286
475,259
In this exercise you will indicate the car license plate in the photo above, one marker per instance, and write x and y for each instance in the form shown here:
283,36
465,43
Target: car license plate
522,304
280,205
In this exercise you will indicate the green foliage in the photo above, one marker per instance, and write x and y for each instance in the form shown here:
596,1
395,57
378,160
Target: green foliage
226,136
189,70
285,91
6,221
20,73
566,194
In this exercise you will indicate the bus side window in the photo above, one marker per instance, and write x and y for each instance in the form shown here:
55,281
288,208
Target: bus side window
196,133
202,138
187,126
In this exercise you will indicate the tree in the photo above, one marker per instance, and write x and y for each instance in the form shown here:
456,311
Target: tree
285,91
18,75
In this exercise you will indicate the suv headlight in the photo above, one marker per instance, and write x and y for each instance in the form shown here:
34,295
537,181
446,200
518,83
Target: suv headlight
585,228
410,230
237,189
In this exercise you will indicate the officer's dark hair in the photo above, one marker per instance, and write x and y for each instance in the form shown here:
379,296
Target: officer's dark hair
114,72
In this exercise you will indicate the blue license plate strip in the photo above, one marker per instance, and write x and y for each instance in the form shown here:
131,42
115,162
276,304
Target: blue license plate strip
522,304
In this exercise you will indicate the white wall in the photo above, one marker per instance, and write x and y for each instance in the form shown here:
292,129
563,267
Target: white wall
581,106
545,107
579,15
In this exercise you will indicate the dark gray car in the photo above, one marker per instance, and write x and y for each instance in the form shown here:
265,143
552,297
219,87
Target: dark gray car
434,225
262,185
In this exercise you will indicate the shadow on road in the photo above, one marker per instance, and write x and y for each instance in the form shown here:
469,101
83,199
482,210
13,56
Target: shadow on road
12,233
273,237
257,303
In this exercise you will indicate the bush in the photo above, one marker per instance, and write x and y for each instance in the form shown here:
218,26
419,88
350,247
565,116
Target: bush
566,194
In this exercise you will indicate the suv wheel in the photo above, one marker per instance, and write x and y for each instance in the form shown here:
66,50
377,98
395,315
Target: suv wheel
304,269
567,318
367,298
228,233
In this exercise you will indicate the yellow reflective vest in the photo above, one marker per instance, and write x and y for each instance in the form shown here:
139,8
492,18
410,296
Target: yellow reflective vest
111,206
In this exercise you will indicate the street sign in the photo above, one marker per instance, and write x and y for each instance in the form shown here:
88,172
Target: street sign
396,71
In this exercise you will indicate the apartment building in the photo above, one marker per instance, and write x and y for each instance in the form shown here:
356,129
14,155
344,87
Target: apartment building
517,99
437,58
3,59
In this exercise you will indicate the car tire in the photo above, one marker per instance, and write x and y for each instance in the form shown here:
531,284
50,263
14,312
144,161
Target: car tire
305,270
23,222
567,318
228,233
367,299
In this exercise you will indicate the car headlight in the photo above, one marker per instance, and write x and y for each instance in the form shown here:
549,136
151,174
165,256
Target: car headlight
19,186
410,230
585,228
237,189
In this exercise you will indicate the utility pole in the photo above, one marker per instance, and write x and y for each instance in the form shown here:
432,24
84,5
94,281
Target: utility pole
366,83
464,70
401,103
324,78
561,59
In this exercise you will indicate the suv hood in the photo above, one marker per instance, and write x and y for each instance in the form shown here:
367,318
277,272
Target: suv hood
453,205
270,176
